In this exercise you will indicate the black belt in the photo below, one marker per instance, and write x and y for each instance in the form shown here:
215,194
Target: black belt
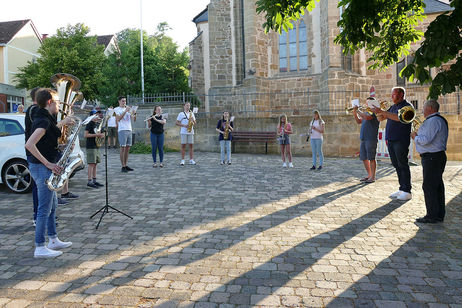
431,154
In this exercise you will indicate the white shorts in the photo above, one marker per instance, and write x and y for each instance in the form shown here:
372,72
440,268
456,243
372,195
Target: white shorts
187,138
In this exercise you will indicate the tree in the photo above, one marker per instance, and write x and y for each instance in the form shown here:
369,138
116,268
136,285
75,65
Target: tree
165,68
386,29
69,51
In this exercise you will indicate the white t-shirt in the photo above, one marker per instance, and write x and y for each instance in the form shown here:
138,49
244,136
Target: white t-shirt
314,133
125,123
183,117
111,122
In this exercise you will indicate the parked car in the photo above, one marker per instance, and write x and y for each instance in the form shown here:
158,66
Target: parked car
13,162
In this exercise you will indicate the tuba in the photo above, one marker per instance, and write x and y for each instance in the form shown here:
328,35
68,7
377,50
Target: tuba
407,115
67,86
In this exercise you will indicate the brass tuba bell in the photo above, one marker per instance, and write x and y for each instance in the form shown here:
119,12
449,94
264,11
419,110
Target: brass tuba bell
406,114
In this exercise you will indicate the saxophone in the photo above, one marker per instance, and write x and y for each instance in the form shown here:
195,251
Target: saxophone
226,132
69,164
190,122
102,124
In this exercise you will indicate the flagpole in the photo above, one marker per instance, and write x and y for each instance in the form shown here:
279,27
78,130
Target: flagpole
141,50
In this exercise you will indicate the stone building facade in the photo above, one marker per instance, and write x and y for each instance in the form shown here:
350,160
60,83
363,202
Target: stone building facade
232,57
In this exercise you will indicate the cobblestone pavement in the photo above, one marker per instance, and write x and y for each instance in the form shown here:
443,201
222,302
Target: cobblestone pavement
248,234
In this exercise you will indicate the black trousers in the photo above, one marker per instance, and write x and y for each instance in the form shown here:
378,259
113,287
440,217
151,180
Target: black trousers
398,151
433,165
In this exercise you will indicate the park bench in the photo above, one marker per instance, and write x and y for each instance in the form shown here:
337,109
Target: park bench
264,137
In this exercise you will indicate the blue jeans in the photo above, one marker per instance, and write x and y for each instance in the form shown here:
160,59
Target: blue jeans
47,202
398,151
34,194
225,144
157,143
316,148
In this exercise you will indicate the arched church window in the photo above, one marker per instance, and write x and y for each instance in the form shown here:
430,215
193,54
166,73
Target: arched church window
293,49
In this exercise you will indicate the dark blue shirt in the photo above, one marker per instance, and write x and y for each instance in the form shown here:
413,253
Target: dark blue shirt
369,129
395,130
221,125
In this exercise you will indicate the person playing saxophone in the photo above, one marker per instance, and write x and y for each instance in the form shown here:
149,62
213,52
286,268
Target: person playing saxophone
43,148
225,128
186,120
93,153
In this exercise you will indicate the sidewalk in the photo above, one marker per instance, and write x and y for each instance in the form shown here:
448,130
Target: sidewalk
248,234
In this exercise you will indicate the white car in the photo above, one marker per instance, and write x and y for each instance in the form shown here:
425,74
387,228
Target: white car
13,161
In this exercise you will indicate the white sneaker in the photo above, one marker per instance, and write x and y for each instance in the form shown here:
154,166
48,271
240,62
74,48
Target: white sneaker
395,194
182,162
404,196
284,165
192,162
291,165
44,252
57,244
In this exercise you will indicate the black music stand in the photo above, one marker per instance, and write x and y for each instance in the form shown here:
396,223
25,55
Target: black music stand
105,209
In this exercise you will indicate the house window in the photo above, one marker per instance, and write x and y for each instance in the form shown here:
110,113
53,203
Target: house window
400,81
13,102
293,49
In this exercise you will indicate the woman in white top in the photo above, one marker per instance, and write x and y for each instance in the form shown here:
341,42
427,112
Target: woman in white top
316,132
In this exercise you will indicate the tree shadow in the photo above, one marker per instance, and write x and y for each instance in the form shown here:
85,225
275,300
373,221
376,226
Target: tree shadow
426,269
279,270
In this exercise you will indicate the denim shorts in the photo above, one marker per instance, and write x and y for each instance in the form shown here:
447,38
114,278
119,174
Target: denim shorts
284,140
125,138
368,149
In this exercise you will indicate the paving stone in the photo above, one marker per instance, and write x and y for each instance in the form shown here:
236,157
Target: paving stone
270,238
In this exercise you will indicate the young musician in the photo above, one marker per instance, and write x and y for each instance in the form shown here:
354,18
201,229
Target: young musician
225,128
93,153
156,124
183,120
124,118
111,132
284,130
316,139
42,145
368,137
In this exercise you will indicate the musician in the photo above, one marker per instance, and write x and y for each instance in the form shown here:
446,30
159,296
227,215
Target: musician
368,136
183,120
124,116
156,124
43,147
284,129
317,127
430,141
111,131
225,128
28,120
397,135
93,153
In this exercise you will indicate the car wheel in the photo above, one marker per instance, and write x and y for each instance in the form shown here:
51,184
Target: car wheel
17,177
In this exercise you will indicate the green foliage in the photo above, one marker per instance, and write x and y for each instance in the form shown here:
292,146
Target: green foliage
69,51
165,68
387,28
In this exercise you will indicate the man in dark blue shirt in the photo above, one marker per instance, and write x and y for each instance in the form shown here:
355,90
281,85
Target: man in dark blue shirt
398,137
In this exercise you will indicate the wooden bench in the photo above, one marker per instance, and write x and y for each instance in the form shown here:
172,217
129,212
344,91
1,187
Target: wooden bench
242,136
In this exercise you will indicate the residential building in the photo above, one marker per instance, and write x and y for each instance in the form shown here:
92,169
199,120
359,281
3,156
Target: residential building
19,42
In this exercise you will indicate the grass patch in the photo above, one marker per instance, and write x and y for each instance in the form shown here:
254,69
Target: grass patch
143,148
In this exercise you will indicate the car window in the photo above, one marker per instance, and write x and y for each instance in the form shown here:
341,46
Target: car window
10,128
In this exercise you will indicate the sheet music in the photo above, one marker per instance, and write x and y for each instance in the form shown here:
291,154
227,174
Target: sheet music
232,119
195,110
373,103
164,116
355,102
134,109
83,104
